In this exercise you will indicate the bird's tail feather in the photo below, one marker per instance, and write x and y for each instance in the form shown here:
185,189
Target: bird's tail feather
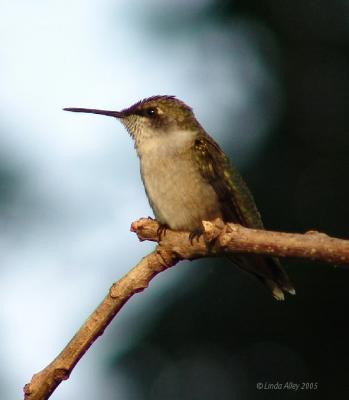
268,270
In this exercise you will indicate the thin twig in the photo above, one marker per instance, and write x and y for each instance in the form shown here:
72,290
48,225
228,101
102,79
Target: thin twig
233,238
45,382
173,247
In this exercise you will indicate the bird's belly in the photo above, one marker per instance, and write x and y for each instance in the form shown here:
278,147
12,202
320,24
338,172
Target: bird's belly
178,195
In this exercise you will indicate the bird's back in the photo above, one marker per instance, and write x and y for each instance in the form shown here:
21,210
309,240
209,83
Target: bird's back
238,206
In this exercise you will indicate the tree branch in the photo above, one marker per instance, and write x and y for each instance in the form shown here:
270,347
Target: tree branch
221,238
174,246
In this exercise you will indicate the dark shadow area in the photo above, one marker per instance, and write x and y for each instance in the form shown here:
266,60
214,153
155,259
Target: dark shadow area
222,337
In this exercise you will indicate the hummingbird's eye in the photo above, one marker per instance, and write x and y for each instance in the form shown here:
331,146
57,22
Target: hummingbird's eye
150,112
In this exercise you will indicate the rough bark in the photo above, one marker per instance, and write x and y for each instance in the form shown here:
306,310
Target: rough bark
174,246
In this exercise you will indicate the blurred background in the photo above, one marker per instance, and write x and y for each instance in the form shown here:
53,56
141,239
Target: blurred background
269,80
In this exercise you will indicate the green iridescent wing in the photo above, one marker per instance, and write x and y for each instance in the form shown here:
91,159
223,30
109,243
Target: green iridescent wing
235,198
237,205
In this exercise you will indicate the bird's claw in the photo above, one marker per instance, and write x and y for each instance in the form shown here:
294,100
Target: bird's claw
161,231
195,235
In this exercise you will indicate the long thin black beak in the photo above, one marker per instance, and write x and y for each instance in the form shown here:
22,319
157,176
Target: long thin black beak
115,114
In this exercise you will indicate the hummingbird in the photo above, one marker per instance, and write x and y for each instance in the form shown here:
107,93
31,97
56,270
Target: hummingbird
188,178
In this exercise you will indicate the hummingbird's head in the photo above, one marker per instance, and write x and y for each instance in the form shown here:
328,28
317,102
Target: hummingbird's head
148,118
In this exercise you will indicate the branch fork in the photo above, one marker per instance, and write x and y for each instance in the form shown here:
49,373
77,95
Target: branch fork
174,246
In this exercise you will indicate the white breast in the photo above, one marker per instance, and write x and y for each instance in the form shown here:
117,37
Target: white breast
178,194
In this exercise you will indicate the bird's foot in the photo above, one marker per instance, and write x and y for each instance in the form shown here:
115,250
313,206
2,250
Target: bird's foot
195,235
161,231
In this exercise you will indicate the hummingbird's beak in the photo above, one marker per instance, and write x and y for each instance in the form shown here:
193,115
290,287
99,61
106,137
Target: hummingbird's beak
115,114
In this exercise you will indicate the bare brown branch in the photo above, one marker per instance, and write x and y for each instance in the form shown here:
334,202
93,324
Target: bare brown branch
45,382
175,246
234,238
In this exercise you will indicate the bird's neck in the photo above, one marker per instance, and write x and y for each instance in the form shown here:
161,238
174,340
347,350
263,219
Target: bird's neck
164,144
